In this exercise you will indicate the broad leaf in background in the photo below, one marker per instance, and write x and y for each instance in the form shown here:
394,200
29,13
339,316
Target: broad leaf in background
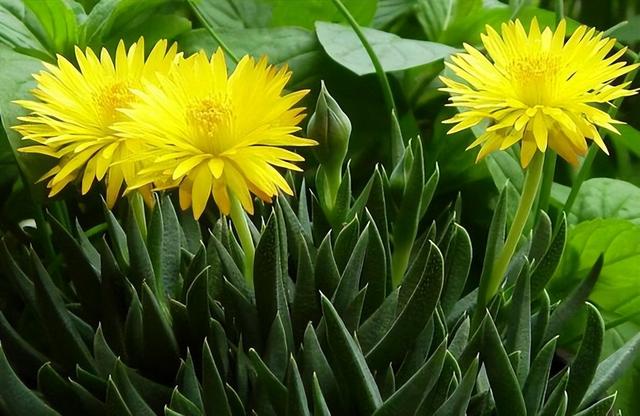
296,47
21,29
233,14
618,288
437,16
109,19
15,84
395,53
389,10
606,198
59,22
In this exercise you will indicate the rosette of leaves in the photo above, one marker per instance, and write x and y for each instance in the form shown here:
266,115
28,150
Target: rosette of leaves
155,317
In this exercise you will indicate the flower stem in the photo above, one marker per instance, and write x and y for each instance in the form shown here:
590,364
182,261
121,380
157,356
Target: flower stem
527,199
547,181
382,76
239,220
212,31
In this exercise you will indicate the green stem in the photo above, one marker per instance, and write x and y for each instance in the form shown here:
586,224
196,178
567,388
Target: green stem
527,199
212,31
241,225
547,181
559,10
585,168
382,76
137,206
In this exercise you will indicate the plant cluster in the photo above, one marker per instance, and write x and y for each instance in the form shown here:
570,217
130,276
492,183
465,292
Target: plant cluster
178,238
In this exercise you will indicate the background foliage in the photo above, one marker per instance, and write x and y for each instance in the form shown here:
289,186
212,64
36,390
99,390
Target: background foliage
410,38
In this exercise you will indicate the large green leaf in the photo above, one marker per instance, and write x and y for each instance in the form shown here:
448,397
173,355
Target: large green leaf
395,53
437,16
16,83
230,14
617,289
296,47
58,20
20,29
606,198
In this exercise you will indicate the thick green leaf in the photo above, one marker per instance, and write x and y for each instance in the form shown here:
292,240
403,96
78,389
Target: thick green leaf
297,404
319,404
17,399
406,400
345,242
306,302
69,347
164,246
350,280
601,408
548,264
583,367
159,342
314,366
414,316
350,363
271,298
395,53
610,370
438,16
57,390
130,395
518,337
457,403
115,402
456,268
213,391
572,304
276,391
536,384
503,380
326,270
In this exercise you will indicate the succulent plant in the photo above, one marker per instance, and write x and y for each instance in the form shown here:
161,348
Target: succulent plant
351,314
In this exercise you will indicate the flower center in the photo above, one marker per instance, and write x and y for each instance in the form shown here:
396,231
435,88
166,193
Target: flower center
205,116
535,76
110,97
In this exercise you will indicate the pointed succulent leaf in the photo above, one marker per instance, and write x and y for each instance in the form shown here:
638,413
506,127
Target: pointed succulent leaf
585,363
350,363
518,337
374,270
70,347
159,342
326,270
601,408
306,304
346,242
572,304
213,391
297,404
414,316
612,368
117,236
456,269
457,403
269,280
407,398
320,407
504,383
350,280
536,383
134,401
276,391
57,390
548,264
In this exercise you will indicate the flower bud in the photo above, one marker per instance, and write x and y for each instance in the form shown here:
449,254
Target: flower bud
330,126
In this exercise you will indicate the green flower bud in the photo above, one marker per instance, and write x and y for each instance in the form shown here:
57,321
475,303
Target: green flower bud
330,126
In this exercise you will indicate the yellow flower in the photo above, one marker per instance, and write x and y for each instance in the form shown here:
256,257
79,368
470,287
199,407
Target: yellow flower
75,110
211,134
537,89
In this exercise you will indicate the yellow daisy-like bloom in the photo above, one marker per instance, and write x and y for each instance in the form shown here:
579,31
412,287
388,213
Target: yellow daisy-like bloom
212,134
73,118
537,89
